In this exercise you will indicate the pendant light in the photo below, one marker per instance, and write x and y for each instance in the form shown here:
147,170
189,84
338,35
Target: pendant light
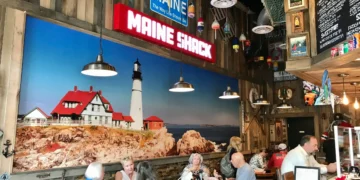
99,67
182,86
345,100
261,101
229,94
356,103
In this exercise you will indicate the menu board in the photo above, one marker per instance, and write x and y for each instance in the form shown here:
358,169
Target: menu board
336,20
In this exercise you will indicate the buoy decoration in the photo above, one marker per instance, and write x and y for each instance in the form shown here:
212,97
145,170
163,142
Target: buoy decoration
215,26
242,38
227,28
235,44
200,25
269,62
275,65
191,10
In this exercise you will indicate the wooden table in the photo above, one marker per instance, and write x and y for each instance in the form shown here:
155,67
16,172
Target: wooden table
268,176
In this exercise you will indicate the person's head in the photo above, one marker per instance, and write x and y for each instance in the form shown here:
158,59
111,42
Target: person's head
94,171
282,147
196,159
235,142
145,171
264,152
309,143
127,164
237,160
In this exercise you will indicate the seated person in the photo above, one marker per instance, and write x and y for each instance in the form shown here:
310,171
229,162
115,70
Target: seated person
302,155
277,158
128,173
94,171
145,171
257,161
244,170
195,170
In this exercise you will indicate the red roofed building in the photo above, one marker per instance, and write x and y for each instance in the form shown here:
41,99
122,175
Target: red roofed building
153,123
90,107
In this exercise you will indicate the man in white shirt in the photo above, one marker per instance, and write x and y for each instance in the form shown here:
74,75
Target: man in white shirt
302,155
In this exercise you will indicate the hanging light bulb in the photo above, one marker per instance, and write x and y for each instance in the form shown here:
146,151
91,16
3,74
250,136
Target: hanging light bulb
235,44
345,99
200,25
191,10
215,26
356,104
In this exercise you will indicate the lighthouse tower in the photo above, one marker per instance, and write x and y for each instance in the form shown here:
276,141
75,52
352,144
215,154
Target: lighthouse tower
136,111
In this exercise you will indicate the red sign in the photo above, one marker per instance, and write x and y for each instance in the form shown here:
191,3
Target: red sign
138,24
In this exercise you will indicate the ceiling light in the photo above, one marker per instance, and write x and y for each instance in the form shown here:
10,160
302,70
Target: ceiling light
357,59
182,86
284,105
261,101
99,67
229,94
356,103
345,100
223,3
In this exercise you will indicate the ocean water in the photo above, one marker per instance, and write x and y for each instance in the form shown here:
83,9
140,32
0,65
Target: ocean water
217,134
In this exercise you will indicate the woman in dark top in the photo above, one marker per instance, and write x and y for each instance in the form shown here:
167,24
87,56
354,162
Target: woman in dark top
234,146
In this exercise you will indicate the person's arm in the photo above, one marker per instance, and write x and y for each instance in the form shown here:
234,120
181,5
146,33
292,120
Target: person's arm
118,176
261,162
323,168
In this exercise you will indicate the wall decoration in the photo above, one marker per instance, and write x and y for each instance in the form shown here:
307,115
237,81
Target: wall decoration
295,5
68,119
312,93
298,46
175,10
280,76
297,22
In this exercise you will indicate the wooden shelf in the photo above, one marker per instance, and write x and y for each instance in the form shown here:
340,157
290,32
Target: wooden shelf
325,61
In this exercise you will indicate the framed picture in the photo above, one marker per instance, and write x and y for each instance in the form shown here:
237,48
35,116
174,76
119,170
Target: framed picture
297,22
295,5
298,46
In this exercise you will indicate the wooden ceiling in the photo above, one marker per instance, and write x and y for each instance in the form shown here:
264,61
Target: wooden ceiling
346,63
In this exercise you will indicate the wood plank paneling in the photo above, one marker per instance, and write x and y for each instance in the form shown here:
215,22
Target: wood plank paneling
69,7
109,10
10,70
49,4
81,10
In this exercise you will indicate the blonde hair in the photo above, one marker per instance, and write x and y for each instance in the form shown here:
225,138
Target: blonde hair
126,158
94,171
235,142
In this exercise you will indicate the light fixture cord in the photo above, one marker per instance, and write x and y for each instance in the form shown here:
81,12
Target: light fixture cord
344,83
101,24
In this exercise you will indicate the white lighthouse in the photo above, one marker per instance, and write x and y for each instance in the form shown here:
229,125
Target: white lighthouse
136,111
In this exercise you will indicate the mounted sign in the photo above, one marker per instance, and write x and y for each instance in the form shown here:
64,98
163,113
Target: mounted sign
140,25
283,76
175,10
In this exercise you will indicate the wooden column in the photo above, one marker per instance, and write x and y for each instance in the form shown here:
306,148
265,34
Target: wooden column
49,4
10,77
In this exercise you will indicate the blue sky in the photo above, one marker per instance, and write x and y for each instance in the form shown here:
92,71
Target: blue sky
55,55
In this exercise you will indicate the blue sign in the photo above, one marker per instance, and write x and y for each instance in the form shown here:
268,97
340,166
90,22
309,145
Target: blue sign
175,10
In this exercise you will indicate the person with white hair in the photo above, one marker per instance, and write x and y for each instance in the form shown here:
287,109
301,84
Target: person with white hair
94,171
277,158
195,169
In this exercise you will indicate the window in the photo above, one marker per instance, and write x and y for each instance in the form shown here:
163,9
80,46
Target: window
98,108
95,117
92,107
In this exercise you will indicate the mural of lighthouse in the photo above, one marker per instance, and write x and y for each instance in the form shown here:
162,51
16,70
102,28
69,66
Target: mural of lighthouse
136,109
67,119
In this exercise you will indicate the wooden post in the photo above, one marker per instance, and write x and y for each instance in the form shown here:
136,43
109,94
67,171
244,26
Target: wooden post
10,70
69,7
109,10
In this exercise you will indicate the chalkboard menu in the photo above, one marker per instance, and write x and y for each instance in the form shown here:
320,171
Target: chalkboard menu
336,20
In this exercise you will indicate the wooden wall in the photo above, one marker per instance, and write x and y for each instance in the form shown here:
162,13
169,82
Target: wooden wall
83,15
